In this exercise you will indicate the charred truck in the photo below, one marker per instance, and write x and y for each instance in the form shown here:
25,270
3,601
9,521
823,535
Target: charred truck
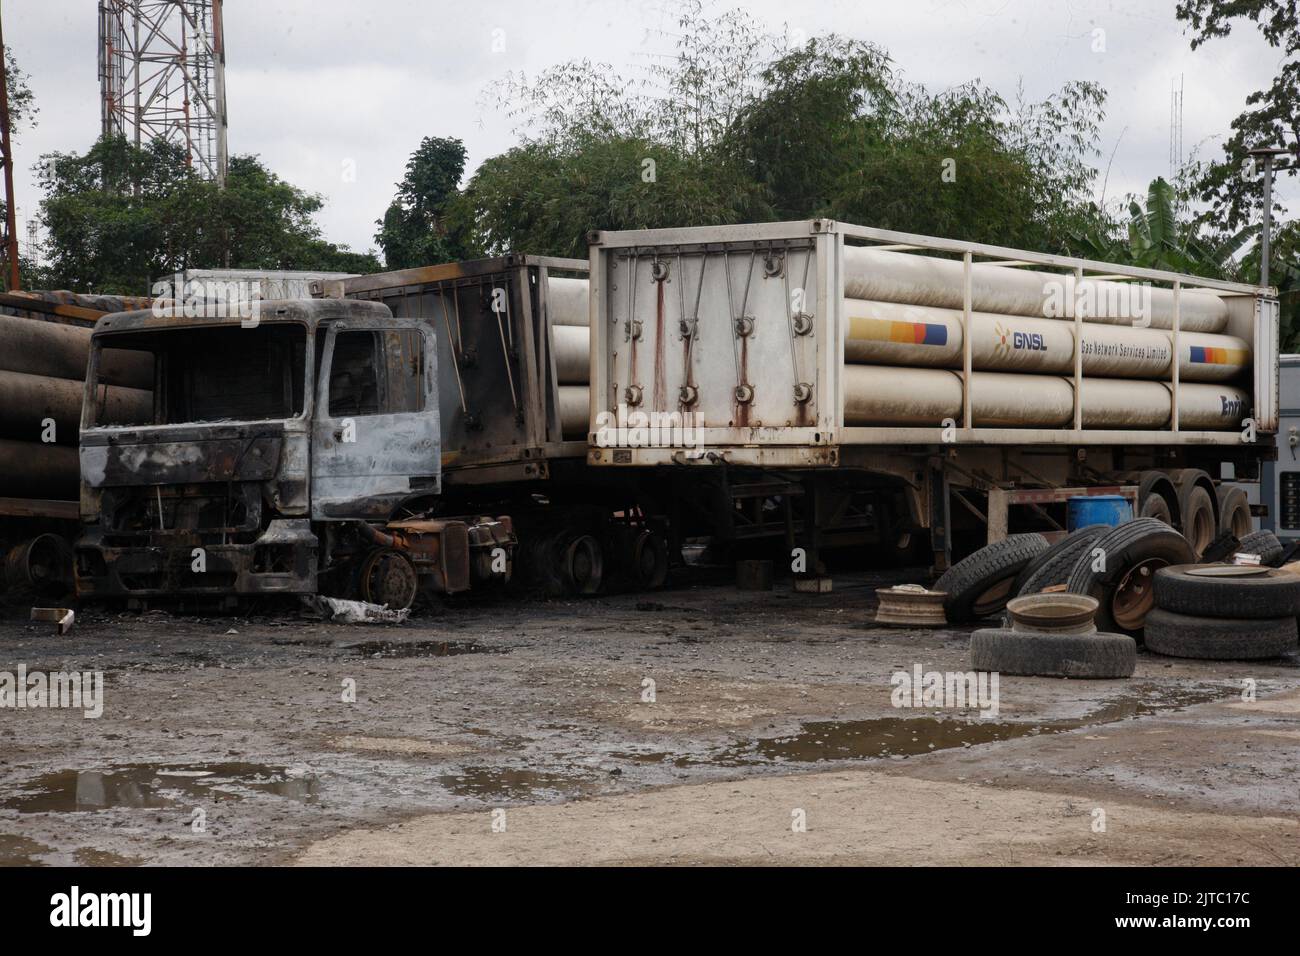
295,450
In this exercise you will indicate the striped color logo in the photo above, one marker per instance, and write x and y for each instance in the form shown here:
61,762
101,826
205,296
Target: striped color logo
1200,355
906,333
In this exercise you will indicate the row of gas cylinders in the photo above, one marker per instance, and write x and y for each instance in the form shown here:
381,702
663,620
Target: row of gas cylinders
904,348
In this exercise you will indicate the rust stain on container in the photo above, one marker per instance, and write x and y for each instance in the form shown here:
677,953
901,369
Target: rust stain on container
742,408
659,348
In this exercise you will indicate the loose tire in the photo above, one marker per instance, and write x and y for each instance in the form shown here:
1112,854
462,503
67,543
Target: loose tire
1221,548
1264,544
981,584
1121,579
1234,512
1227,591
1219,639
1054,565
1053,655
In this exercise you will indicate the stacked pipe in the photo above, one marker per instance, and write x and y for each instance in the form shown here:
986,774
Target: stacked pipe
42,369
570,337
904,348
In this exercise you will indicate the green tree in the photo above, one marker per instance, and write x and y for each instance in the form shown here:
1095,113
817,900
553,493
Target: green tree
1273,115
544,198
1155,237
414,230
120,216
739,126
22,104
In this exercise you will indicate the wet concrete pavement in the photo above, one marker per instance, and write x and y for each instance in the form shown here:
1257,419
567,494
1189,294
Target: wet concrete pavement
232,740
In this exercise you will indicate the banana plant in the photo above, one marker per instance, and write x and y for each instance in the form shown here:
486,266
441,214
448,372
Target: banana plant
1155,238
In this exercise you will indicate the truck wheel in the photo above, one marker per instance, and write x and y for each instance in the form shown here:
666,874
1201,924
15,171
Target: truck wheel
981,584
1199,527
650,561
582,565
1264,544
1054,565
1053,655
1219,639
1152,502
1118,570
1234,512
1223,590
388,578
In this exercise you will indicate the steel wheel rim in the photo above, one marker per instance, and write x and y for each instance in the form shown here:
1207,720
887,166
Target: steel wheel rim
389,578
1134,597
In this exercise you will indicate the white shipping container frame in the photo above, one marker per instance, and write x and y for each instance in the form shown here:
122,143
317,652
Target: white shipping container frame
612,252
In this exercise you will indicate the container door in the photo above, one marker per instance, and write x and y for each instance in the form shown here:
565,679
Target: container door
375,437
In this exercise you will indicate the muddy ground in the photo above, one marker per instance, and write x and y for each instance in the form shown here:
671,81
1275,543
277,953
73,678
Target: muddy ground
517,731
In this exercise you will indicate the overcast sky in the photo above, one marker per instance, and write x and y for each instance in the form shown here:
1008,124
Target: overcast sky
313,84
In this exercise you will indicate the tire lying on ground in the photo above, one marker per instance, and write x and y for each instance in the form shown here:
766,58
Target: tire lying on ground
1054,565
1119,568
1221,548
1053,655
1225,591
981,584
1264,544
1219,639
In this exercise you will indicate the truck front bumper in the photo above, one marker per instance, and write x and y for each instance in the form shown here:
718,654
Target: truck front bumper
281,561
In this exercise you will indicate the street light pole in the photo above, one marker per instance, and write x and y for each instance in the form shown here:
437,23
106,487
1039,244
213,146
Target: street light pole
1267,155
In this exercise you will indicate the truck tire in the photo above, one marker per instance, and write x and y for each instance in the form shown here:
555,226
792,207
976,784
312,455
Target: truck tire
1264,544
1121,577
981,584
1219,639
1234,511
1152,502
1053,566
1053,655
1252,593
582,564
1199,525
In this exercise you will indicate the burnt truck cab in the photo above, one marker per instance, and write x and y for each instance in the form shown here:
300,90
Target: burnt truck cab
293,448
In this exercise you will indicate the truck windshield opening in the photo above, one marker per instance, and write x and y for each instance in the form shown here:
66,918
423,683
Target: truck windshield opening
218,373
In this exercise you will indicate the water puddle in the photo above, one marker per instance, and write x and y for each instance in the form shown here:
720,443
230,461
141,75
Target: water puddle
140,786
87,856
504,783
881,737
385,649
886,737
21,851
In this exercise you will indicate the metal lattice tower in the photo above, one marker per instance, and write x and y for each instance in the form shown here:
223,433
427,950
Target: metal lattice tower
162,67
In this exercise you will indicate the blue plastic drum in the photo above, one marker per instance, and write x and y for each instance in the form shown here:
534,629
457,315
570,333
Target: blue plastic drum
1084,510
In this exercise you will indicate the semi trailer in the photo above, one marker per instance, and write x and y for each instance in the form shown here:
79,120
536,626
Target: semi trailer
804,384
981,386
